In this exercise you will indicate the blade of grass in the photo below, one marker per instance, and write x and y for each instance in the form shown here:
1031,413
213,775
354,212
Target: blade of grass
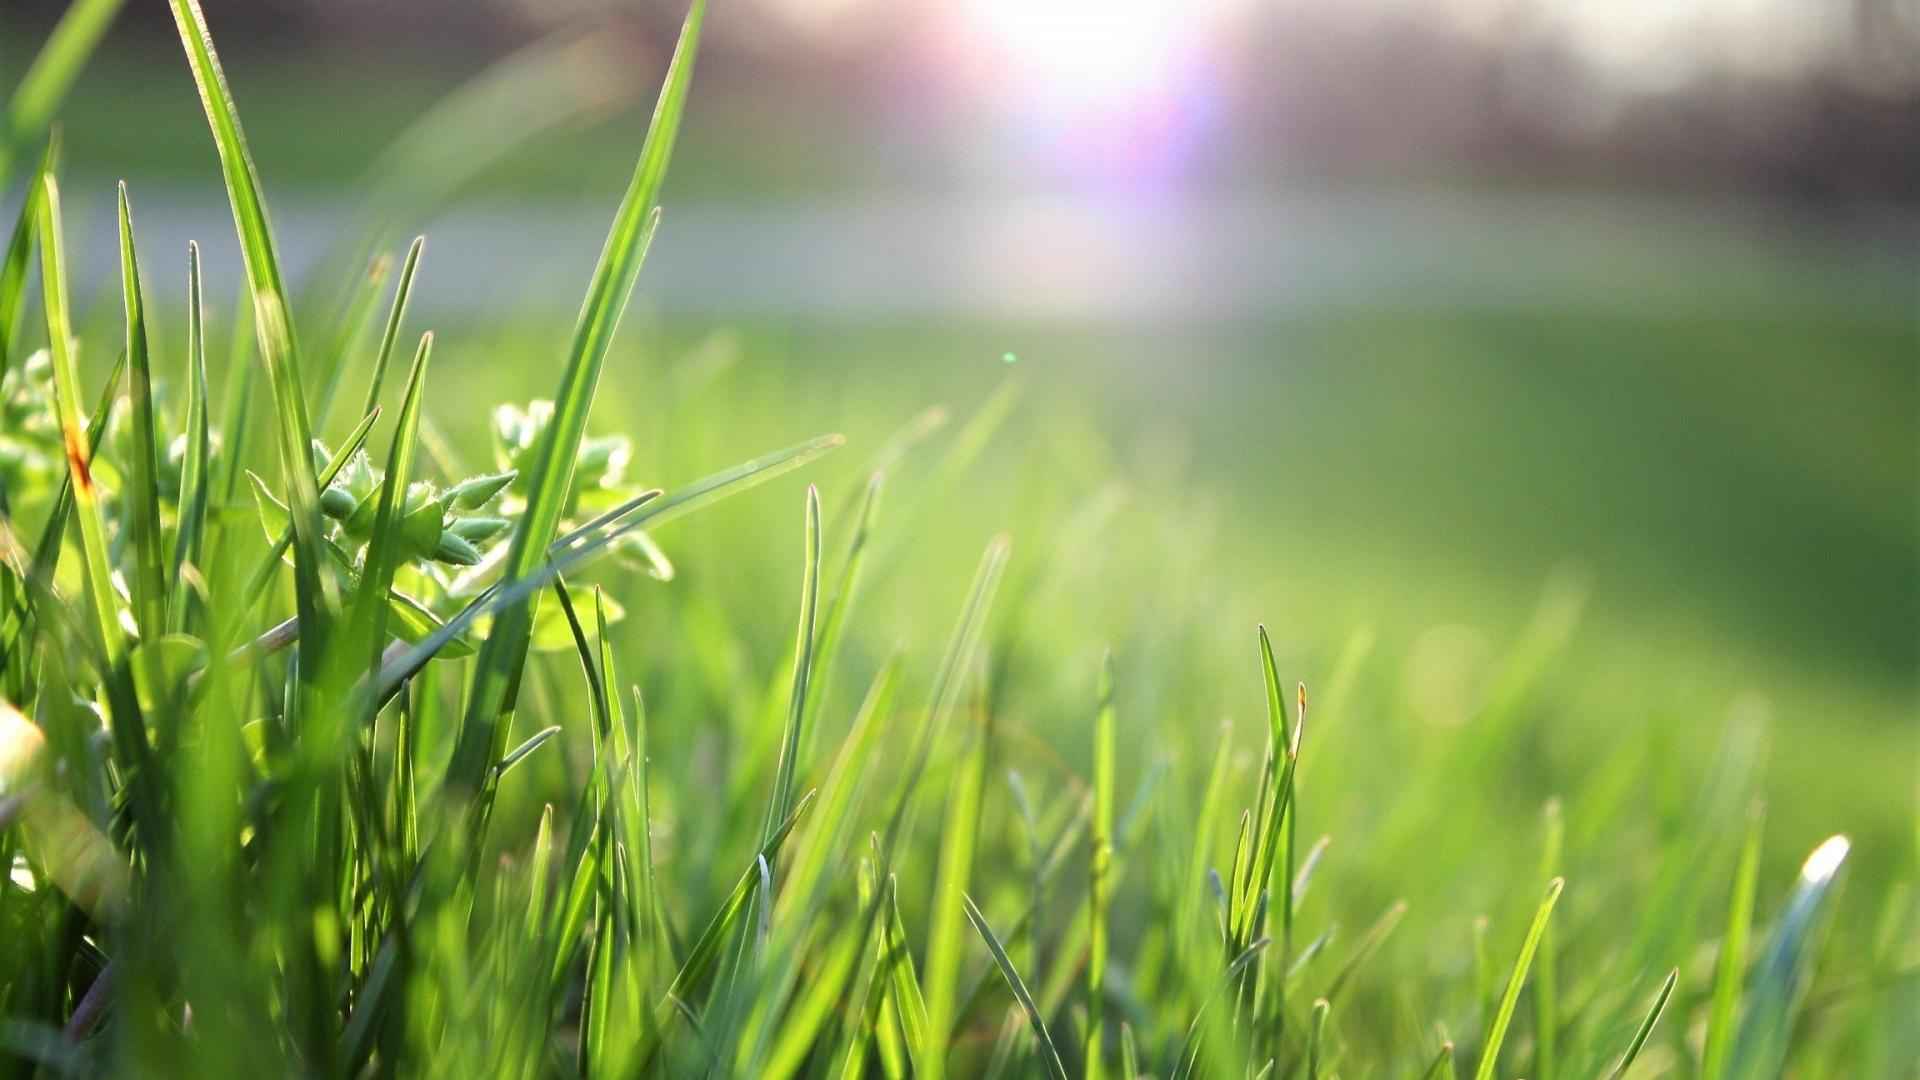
37,98
1316,1036
1050,1055
367,621
149,584
1546,1019
1646,1026
189,541
904,991
953,875
19,258
1732,963
402,292
273,325
1100,870
803,646
485,724
1779,979
1497,1030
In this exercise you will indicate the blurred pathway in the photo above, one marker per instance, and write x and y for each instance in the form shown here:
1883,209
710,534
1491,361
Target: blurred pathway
1072,259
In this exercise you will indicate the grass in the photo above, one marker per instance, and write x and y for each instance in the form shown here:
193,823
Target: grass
434,758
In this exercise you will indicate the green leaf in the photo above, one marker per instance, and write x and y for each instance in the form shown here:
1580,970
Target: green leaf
189,542
1779,979
1646,1026
368,618
37,98
1497,1031
19,257
1050,1055
1100,870
791,738
273,325
402,292
1732,963
485,725
149,582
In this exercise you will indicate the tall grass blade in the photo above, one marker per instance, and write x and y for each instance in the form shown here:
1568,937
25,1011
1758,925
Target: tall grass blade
189,541
1049,1054
1779,979
1503,1016
1731,966
1100,871
485,724
803,647
19,257
1646,1026
273,323
37,98
149,585
402,292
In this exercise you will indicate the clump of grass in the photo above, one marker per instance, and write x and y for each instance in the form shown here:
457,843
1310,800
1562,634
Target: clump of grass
248,784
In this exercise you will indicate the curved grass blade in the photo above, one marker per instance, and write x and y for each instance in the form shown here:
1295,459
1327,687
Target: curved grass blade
1050,1054
19,258
149,584
1732,964
1497,1032
705,954
1100,870
66,379
1646,1026
579,546
352,327
1316,1037
368,619
273,323
952,876
1369,944
402,292
189,541
903,984
31,107
834,623
803,649
1779,980
485,723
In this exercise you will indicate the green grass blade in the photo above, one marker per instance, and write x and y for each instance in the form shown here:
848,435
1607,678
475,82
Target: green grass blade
1050,1055
903,988
1779,979
368,619
273,323
352,327
1646,1026
1316,1037
1546,985
833,623
37,98
1442,1066
1369,944
803,646
946,933
402,292
1497,1031
263,573
149,588
66,377
496,671
1732,963
189,541
19,257
704,956
1100,870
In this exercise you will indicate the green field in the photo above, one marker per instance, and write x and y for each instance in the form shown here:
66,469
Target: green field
1626,599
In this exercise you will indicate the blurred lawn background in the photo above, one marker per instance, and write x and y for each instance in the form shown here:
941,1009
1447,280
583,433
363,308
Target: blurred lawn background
1683,479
